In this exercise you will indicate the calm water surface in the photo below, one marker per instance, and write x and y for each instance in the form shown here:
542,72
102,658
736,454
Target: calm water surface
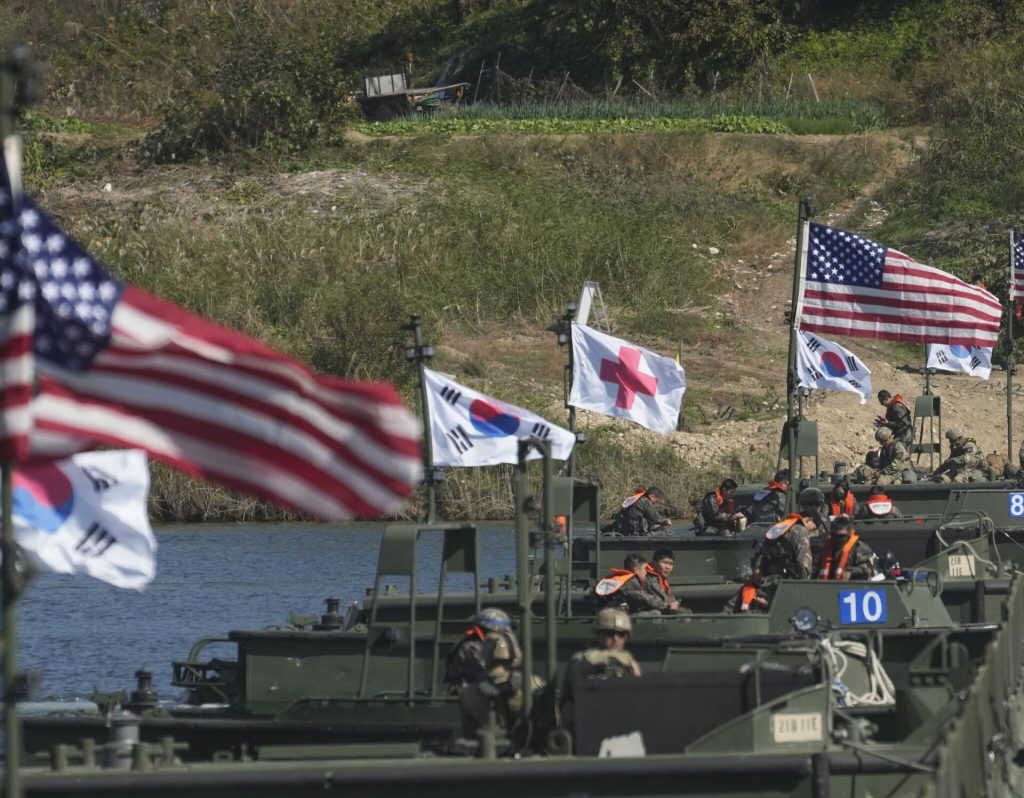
77,633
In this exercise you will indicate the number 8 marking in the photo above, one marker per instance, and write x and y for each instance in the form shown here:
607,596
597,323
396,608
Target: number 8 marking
1017,505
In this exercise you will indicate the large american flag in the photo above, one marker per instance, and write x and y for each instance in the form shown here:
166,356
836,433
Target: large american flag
850,285
115,365
1017,267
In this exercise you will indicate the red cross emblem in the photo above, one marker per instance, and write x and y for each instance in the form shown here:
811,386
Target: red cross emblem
626,372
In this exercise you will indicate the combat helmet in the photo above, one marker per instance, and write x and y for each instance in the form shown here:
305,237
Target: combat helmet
812,497
953,433
494,620
612,619
883,434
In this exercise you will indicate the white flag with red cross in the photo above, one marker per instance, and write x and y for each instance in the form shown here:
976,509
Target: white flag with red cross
617,378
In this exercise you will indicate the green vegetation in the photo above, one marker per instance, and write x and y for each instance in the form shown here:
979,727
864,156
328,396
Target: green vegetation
247,187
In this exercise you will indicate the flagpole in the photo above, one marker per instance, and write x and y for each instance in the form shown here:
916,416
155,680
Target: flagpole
1009,358
420,353
568,319
805,212
19,88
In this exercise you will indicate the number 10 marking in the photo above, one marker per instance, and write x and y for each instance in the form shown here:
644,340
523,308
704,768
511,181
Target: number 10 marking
862,606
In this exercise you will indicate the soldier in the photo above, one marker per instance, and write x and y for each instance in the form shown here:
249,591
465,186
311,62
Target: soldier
465,663
877,505
863,473
963,461
897,417
893,459
718,515
769,503
814,509
785,553
845,555
663,562
841,500
639,515
500,690
607,658
626,588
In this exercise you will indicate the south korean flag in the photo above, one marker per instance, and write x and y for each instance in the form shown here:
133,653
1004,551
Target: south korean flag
972,360
468,428
827,366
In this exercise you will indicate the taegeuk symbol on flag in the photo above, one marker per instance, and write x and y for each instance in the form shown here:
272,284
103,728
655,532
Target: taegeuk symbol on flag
118,366
87,514
617,378
827,366
973,360
469,428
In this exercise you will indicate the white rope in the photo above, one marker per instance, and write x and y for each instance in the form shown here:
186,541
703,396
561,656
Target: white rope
881,692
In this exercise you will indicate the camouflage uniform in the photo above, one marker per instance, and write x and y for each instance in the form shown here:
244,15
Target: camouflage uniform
861,564
768,506
653,588
899,419
964,457
894,459
788,556
635,597
640,518
465,663
593,664
715,518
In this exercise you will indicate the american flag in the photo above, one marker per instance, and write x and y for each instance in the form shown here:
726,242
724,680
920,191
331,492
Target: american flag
115,365
1017,268
850,285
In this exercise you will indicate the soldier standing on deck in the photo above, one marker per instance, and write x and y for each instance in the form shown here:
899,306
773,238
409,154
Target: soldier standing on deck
897,417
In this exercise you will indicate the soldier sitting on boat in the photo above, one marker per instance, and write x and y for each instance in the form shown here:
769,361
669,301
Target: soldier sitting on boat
662,563
465,663
626,588
841,500
865,471
607,658
814,509
784,553
964,461
500,690
639,515
718,514
769,503
877,505
845,555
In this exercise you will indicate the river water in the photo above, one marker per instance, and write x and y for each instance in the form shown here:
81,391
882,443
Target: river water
77,633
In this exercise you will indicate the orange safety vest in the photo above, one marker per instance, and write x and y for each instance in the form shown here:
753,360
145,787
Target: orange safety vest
879,504
825,572
477,632
778,530
629,501
662,581
846,508
747,594
613,582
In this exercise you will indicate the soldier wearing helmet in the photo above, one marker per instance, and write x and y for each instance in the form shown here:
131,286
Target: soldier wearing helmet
897,418
964,459
769,503
465,662
784,553
845,555
607,658
814,510
500,689
893,459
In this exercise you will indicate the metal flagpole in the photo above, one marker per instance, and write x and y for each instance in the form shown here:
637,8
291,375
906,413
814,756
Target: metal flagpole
1009,357
420,353
565,337
19,88
805,212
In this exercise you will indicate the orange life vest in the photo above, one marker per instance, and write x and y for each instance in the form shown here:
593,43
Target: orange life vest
896,400
747,594
778,530
477,632
613,582
662,581
846,508
879,504
629,501
825,572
